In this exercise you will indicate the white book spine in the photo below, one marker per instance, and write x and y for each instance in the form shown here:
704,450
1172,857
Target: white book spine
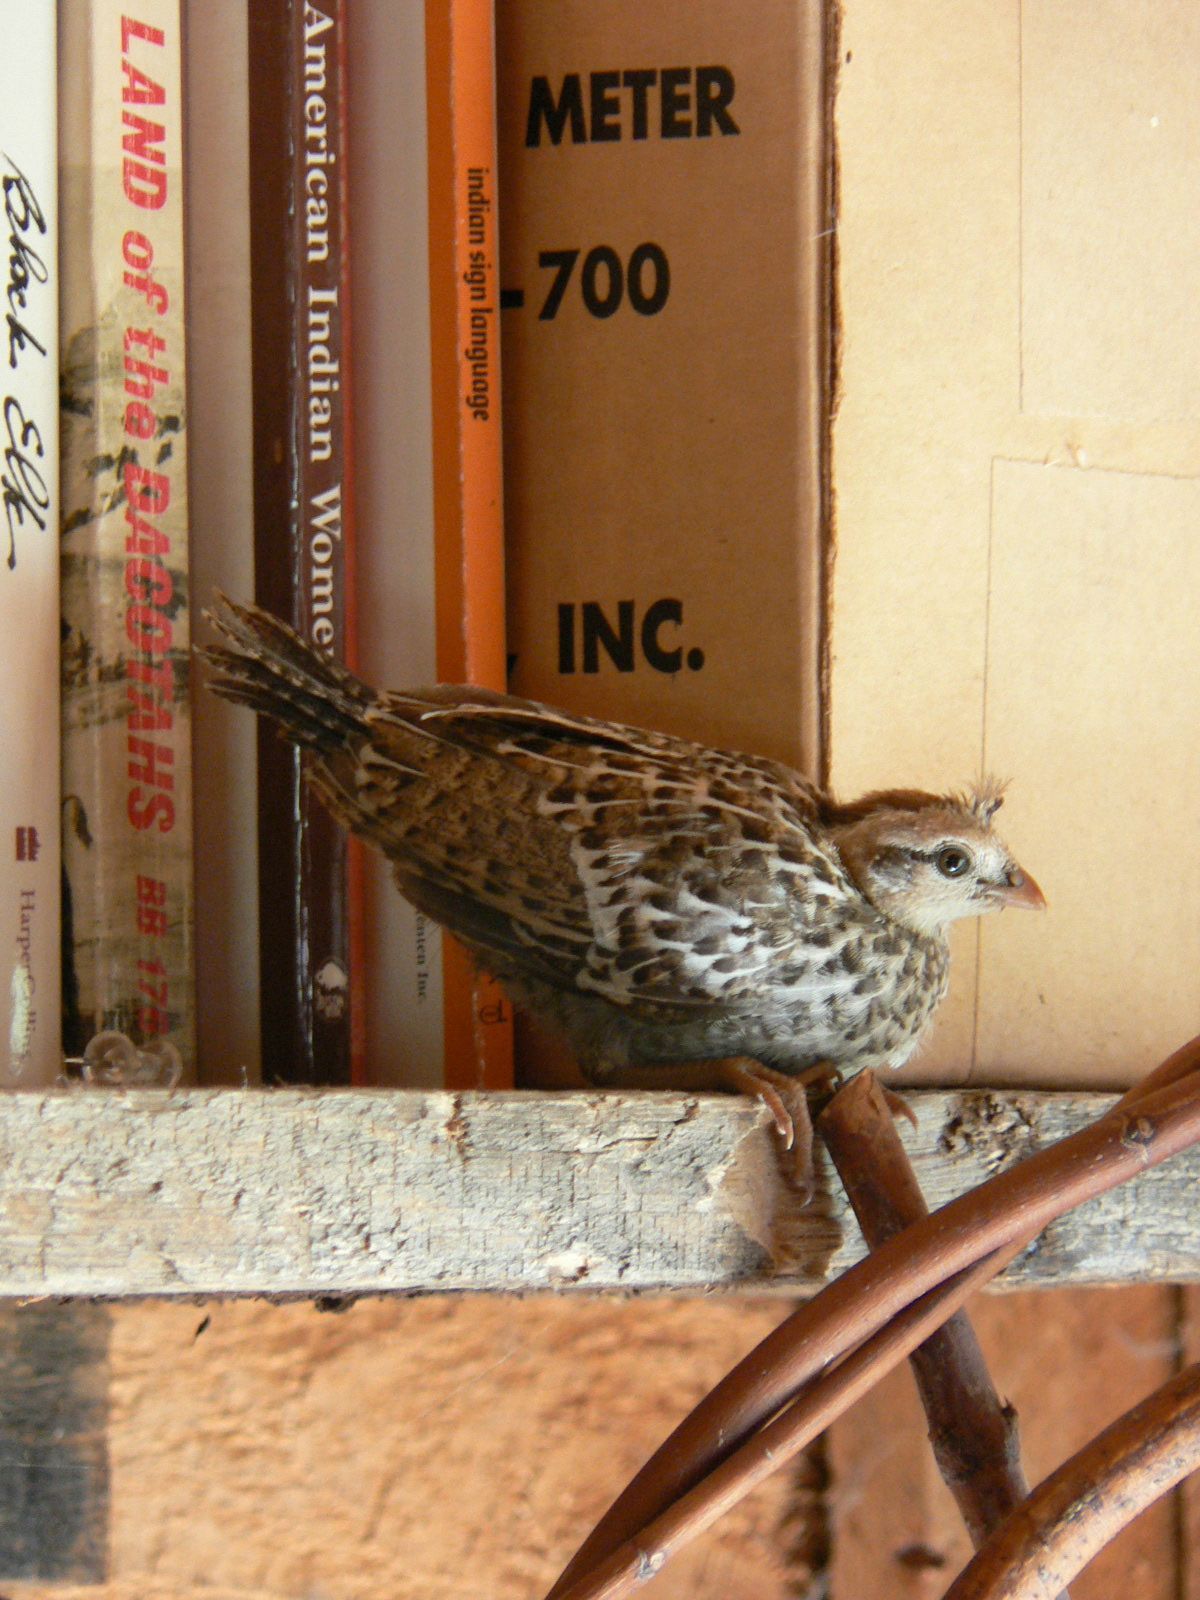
393,422
30,859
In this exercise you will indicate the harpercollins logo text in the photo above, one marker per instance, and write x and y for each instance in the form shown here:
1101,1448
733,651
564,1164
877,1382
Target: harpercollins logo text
588,634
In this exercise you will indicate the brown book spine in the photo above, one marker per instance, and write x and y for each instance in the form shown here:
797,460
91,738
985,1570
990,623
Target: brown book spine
302,528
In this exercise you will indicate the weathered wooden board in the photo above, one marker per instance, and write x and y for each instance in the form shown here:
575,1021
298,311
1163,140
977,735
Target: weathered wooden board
280,1192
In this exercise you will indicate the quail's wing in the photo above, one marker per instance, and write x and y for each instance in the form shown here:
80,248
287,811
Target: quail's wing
647,869
641,867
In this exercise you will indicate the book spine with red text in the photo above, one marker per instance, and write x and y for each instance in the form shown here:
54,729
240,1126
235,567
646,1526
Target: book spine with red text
30,1030
308,870
126,605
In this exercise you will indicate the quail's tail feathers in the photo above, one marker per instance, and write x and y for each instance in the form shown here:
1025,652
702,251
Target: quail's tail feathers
267,665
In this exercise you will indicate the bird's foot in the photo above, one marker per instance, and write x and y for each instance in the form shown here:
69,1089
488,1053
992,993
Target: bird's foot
786,1098
783,1095
775,1091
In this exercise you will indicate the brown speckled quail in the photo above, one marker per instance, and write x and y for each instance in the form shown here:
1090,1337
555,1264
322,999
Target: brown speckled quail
687,917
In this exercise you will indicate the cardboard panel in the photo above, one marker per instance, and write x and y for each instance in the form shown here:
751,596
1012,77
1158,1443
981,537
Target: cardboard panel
442,1448
1092,666
1110,233
987,611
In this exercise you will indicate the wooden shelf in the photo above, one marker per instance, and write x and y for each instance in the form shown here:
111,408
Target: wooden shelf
293,1192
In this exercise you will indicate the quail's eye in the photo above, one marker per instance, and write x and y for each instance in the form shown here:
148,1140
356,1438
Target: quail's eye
952,861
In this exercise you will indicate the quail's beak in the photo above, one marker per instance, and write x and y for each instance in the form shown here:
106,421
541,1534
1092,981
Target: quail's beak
1020,891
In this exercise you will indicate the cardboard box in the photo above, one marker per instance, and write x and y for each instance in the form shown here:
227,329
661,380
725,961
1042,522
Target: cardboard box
663,387
1016,501
664,196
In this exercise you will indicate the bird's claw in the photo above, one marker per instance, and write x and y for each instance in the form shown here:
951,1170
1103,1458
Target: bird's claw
899,1106
786,1099
785,1125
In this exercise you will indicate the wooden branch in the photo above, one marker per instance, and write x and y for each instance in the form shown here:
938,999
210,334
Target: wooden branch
1081,1507
759,1412
293,1192
646,1551
974,1436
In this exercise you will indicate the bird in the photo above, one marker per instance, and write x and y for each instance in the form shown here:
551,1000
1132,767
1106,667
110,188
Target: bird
688,917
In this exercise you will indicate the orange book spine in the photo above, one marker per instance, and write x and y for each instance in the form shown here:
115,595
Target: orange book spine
467,463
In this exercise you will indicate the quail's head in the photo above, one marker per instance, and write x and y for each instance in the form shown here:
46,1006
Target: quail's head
925,861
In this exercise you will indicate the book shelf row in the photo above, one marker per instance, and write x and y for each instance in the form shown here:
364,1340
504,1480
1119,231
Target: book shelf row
363,207
1013,474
